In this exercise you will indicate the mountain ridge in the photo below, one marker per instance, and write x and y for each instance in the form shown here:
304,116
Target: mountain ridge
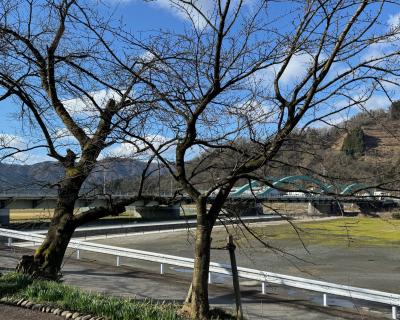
45,174
379,160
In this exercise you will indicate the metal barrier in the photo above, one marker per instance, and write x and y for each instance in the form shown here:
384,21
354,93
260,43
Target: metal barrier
325,288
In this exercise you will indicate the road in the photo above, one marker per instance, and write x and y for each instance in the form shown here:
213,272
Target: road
141,283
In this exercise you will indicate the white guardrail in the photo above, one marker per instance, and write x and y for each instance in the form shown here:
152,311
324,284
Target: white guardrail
264,277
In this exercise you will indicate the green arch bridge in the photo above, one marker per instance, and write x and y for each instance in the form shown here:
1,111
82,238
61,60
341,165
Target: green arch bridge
299,183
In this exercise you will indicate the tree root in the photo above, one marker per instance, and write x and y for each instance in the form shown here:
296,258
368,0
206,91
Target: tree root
30,266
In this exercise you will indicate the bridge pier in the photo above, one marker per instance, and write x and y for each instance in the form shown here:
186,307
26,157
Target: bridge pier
367,208
4,217
158,212
332,208
372,207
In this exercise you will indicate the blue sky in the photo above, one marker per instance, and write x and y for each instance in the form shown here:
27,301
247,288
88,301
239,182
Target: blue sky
158,15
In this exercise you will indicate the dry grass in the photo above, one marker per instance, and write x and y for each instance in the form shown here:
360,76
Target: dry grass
30,214
45,215
361,232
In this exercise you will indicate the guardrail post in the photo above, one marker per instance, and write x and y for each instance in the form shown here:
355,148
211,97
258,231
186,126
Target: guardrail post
263,287
162,268
118,261
325,300
9,242
209,278
394,312
78,254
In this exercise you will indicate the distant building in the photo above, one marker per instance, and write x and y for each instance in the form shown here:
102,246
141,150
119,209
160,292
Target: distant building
296,194
380,195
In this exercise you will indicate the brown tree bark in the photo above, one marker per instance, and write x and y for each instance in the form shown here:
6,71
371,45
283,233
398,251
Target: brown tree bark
196,304
47,260
39,62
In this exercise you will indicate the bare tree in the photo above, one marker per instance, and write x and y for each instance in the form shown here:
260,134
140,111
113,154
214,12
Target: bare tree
241,79
69,93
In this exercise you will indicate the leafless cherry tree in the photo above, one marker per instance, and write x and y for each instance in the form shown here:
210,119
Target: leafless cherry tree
69,92
239,80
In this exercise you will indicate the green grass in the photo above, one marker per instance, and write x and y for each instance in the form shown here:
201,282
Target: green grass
11,283
17,286
363,232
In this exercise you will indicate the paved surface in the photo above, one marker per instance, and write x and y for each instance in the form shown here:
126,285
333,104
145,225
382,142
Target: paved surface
358,264
157,225
16,313
100,276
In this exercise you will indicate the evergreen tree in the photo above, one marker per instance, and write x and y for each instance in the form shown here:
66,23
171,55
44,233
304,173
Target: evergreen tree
353,144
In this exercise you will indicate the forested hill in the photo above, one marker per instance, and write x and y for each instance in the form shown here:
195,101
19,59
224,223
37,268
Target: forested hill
44,174
381,136
365,148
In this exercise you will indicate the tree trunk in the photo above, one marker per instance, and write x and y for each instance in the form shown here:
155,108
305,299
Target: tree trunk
47,259
196,303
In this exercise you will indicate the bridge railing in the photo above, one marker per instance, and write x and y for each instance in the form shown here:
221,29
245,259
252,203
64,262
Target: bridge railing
263,277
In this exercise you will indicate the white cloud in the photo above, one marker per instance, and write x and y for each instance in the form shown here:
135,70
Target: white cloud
188,12
376,102
134,146
351,108
132,149
254,113
377,49
84,104
297,68
12,150
63,138
179,9
11,141
394,21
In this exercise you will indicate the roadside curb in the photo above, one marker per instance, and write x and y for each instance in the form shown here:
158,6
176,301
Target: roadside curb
48,308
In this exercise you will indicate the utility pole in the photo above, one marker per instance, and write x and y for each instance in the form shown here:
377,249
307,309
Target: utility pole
104,182
235,277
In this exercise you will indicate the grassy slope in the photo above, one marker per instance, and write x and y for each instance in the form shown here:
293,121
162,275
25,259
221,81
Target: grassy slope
358,231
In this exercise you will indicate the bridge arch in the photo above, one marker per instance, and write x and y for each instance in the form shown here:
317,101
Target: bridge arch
244,188
287,179
249,186
354,187
279,182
